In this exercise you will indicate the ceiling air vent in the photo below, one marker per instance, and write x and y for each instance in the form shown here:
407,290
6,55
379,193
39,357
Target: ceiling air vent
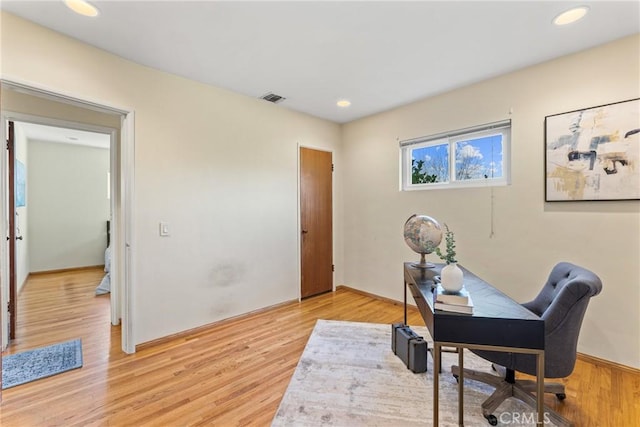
272,97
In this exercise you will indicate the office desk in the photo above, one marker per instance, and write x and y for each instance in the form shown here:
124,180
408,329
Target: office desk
498,323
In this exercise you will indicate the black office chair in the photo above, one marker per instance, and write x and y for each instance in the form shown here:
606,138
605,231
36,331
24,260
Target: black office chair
562,303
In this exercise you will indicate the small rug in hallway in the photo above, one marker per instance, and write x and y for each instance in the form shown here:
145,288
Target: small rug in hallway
348,376
40,363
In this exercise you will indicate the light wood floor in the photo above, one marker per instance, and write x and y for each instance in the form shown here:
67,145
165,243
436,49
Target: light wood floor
234,373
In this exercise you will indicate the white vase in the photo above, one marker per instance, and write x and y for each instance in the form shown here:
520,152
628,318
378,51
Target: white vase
451,278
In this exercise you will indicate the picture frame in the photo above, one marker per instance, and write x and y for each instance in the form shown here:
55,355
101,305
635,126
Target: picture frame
593,153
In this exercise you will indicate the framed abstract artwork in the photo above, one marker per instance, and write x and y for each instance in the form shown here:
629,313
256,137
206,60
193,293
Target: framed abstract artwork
593,153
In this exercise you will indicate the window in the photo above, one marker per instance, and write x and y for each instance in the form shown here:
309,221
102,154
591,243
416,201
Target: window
477,156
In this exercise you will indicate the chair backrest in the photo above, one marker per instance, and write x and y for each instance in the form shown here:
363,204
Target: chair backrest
562,303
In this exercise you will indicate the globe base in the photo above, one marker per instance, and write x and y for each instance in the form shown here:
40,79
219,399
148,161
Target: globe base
423,263
424,266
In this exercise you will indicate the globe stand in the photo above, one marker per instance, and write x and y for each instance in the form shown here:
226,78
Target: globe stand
423,263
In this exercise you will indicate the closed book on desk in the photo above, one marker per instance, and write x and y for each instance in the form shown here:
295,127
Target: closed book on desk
459,298
453,308
464,308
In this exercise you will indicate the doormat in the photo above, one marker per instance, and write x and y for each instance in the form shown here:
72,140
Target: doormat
31,365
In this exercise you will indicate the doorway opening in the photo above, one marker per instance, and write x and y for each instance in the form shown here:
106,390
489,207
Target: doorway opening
61,206
27,104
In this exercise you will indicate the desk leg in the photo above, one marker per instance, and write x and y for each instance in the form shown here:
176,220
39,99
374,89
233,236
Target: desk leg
540,388
436,385
405,303
461,387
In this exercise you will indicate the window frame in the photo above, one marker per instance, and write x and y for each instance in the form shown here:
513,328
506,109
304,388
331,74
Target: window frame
452,138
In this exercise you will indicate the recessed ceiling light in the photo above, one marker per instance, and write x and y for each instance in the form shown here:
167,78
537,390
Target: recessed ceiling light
343,103
82,7
571,15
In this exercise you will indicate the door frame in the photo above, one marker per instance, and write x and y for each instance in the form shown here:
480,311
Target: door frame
299,216
122,167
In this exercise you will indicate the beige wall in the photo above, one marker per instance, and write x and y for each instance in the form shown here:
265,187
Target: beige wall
530,235
68,205
22,103
220,168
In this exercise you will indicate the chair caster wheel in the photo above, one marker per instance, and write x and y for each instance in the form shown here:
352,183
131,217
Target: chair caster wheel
492,420
561,396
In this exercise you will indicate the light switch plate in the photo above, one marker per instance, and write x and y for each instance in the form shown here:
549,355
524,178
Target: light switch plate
164,228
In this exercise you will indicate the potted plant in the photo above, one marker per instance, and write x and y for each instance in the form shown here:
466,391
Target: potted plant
451,274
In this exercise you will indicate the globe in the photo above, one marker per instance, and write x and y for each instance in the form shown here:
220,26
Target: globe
422,234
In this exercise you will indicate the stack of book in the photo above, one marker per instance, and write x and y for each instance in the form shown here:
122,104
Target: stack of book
458,302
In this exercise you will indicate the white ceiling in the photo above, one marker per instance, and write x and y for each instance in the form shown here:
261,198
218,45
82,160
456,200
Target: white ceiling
377,54
37,132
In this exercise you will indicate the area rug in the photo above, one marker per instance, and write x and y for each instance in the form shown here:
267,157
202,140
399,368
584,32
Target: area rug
40,363
349,376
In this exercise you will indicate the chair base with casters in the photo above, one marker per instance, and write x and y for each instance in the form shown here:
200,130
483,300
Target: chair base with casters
507,386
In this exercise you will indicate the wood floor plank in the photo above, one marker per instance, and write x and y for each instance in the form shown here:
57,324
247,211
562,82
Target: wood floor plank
233,373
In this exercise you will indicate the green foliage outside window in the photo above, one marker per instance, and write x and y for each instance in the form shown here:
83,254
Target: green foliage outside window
418,176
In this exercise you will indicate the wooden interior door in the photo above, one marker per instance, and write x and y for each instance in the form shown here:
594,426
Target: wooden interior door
13,287
316,220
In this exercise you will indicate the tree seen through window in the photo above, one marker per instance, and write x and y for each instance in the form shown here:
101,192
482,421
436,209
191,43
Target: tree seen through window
478,158
430,164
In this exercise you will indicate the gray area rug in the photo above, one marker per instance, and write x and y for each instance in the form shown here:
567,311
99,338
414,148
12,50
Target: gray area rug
40,363
348,376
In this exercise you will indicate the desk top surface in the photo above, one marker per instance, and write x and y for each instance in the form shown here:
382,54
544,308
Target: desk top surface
496,320
487,300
